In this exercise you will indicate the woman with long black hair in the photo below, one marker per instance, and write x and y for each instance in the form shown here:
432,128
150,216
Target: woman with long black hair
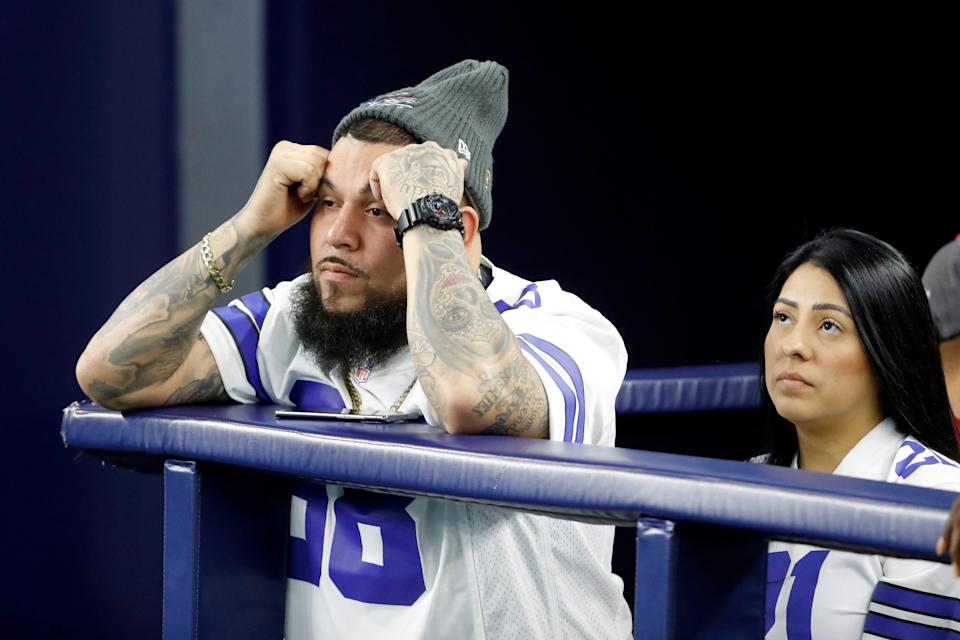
853,385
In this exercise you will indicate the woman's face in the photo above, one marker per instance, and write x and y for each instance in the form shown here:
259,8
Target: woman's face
816,370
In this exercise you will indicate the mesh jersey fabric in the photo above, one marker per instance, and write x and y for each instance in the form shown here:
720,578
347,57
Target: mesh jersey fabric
376,566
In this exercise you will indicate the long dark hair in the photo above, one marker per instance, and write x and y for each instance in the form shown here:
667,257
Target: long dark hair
892,315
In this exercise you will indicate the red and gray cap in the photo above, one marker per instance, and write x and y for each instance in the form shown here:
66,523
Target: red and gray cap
941,279
462,107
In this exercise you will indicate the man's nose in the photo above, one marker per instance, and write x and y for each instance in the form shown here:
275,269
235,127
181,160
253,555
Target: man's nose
344,233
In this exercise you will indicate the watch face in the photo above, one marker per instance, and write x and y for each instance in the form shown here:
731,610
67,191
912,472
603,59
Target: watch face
445,211
435,209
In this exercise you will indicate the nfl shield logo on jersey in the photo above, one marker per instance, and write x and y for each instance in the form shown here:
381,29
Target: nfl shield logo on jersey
362,374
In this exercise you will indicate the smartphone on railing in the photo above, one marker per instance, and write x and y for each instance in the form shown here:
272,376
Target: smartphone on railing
346,414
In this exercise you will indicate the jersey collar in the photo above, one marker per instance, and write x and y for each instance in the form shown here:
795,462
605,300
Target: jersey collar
873,455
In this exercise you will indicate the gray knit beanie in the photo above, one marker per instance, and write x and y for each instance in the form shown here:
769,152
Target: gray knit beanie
462,107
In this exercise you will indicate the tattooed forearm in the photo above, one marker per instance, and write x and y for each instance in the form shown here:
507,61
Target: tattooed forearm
153,330
514,399
501,429
464,353
149,355
498,387
452,315
208,389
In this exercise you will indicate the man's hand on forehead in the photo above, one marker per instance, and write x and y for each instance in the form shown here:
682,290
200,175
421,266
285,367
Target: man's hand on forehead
401,176
287,188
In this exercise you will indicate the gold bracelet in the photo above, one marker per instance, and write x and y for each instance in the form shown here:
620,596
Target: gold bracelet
207,256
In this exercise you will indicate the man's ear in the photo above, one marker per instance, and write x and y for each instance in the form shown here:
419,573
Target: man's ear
471,224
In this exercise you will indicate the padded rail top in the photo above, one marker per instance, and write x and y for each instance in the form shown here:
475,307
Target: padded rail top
598,484
719,387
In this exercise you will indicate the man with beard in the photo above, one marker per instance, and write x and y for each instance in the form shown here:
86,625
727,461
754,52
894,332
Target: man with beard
401,313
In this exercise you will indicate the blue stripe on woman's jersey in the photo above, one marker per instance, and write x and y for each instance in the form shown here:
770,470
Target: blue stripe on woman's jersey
246,337
929,604
568,364
896,629
258,305
569,401
308,394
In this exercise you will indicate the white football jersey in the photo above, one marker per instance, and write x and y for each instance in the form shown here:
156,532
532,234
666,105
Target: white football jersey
368,565
823,594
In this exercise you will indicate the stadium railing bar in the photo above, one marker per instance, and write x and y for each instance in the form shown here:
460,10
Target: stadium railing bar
702,524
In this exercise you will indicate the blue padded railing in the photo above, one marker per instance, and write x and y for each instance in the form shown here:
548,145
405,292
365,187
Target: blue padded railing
694,515
534,475
720,387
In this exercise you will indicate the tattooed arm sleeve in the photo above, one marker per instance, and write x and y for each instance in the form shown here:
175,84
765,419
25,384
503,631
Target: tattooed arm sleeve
150,352
467,359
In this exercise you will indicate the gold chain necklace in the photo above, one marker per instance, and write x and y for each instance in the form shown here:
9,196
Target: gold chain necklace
355,395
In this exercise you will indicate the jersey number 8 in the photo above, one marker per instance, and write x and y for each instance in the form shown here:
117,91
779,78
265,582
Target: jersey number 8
374,556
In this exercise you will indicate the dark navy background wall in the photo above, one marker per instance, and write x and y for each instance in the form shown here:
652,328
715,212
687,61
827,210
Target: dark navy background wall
658,164
87,168
661,163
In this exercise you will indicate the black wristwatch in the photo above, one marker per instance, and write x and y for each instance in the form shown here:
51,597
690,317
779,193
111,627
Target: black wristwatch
436,209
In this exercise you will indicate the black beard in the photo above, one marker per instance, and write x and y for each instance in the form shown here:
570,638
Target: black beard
368,337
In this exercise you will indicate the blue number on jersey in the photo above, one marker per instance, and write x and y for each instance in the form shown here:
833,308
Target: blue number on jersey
306,555
907,466
399,580
778,564
390,574
806,573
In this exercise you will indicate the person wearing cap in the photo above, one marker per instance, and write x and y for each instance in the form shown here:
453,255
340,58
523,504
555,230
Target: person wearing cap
941,279
400,312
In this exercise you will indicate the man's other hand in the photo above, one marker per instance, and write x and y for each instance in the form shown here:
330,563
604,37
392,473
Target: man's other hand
403,175
287,188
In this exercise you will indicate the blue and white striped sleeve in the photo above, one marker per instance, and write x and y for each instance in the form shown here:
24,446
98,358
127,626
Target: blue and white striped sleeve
233,333
917,599
581,360
921,607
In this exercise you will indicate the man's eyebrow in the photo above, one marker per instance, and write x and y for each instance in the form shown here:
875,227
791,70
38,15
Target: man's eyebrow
327,183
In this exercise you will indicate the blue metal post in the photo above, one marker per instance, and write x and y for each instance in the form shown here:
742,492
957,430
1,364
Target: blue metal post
181,537
654,612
